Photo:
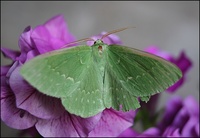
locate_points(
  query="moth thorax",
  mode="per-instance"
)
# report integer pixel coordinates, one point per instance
(100, 49)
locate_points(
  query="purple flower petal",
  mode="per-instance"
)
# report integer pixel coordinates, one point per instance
(41, 38)
(176, 133)
(31, 54)
(184, 64)
(56, 43)
(31, 100)
(153, 131)
(52, 35)
(181, 118)
(172, 131)
(197, 129)
(10, 114)
(181, 115)
(150, 132)
(4, 70)
(130, 132)
(191, 106)
(25, 42)
(67, 125)
(111, 39)
(156, 51)
(12, 68)
(112, 123)
(189, 128)
(10, 53)
(172, 107)
(57, 28)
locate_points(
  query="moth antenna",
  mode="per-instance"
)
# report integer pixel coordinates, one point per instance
(115, 31)
(81, 40)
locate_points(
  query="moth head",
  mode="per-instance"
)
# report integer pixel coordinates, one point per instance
(98, 42)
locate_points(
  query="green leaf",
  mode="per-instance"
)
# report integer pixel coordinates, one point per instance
(90, 79)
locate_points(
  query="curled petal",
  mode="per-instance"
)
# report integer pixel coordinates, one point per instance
(172, 107)
(25, 42)
(10, 53)
(189, 128)
(12, 68)
(181, 118)
(172, 131)
(184, 63)
(68, 125)
(31, 54)
(29, 99)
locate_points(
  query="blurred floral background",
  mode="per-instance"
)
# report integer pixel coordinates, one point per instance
(172, 27)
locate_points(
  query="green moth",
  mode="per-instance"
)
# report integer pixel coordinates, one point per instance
(89, 79)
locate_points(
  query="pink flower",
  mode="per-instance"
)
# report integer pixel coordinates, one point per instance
(183, 62)
(23, 107)
(180, 119)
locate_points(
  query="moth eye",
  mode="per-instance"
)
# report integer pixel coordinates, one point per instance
(95, 42)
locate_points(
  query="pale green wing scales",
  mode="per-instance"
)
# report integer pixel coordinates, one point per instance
(90, 79)
(136, 74)
(87, 99)
(115, 94)
(69, 74)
